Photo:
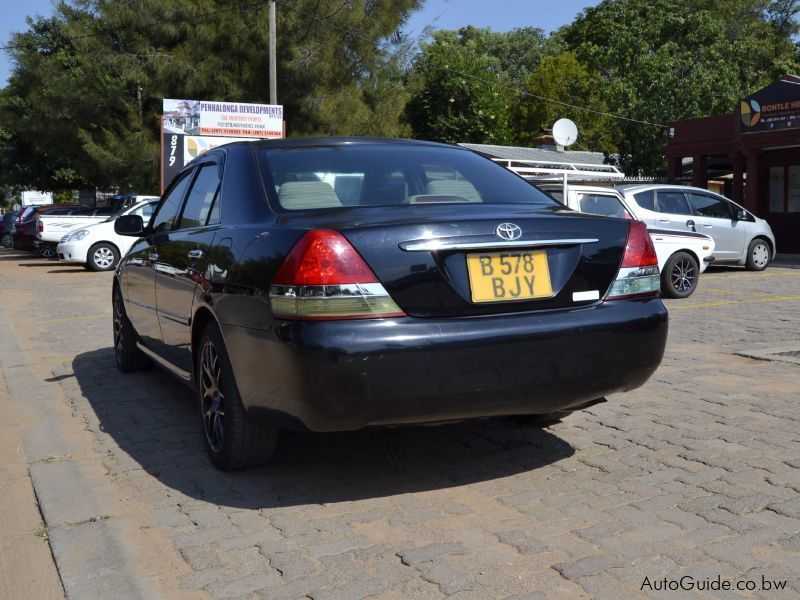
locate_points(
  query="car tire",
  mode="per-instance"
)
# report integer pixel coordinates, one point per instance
(232, 440)
(47, 251)
(679, 277)
(758, 255)
(7, 240)
(128, 356)
(102, 257)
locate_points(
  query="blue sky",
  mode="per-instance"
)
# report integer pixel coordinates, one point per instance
(500, 15)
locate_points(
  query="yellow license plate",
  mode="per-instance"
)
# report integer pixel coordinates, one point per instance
(507, 276)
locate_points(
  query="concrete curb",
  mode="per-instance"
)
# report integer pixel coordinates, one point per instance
(87, 544)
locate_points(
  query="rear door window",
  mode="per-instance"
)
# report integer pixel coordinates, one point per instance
(201, 197)
(709, 206)
(673, 203)
(646, 200)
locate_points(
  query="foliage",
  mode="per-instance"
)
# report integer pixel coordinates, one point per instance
(661, 60)
(564, 77)
(82, 106)
(460, 93)
(83, 103)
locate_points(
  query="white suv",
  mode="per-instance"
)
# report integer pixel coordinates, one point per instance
(740, 237)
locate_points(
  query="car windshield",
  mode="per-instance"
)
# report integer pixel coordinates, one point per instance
(314, 177)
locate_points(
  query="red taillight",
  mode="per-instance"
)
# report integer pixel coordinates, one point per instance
(40, 226)
(638, 274)
(324, 278)
(639, 251)
(323, 257)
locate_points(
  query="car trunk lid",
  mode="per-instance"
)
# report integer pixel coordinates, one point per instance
(451, 261)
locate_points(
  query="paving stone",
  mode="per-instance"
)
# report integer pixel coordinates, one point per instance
(695, 472)
(524, 543)
(291, 565)
(589, 565)
(432, 551)
(448, 579)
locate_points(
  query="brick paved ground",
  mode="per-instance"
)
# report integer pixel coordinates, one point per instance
(697, 473)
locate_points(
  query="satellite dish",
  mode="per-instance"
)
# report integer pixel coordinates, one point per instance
(565, 132)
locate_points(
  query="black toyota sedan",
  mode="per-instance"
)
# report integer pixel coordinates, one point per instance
(340, 283)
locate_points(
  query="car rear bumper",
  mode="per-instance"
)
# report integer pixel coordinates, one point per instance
(343, 375)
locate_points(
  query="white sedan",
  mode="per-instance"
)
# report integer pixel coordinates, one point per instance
(97, 246)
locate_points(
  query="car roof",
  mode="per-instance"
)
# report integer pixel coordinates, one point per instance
(602, 189)
(305, 142)
(659, 186)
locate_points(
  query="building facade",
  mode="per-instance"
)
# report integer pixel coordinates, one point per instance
(756, 150)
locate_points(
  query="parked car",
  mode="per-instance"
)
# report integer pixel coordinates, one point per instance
(97, 245)
(51, 228)
(25, 227)
(740, 237)
(682, 256)
(434, 285)
(339, 283)
(7, 228)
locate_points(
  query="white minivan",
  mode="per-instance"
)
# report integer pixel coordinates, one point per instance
(740, 237)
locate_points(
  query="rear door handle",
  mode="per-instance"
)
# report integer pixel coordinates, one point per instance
(709, 225)
(196, 253)
(663, 220)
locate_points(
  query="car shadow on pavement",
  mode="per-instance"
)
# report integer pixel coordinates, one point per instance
(151, 418)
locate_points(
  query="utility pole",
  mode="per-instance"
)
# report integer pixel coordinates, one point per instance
(273, 62)
(139, 100)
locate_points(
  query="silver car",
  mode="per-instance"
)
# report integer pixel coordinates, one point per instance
(741, 238)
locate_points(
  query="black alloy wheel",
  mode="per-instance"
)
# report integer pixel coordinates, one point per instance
(6, 240)
(211, 397)
(232, 440)
(127, 354)
(679, 278)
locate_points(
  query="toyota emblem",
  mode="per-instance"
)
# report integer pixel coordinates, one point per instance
(508, 231)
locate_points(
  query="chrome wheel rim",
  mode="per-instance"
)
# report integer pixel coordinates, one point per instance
(103, 257)
(683, 276)
(212, 399)
(760, 255)
(46, 252)
(119, 332)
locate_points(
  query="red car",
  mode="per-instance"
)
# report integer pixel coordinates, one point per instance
(25, 227)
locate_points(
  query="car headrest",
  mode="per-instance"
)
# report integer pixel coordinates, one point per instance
(299, 195)
(452, 187)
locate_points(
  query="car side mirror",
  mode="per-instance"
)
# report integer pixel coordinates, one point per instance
(132, 225)
(741, 215)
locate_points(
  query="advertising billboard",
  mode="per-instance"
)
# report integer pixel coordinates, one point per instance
(777, 106)
(191, 127)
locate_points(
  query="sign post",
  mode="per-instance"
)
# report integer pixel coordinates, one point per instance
(191, 127)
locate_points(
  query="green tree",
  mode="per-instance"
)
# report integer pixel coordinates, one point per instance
(562, 76)
(83, 103)
(664, 60)
(460, 93)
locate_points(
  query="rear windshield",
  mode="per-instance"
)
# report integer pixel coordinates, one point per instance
(311, 178)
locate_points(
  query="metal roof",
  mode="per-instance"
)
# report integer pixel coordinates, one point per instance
(537, 154)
